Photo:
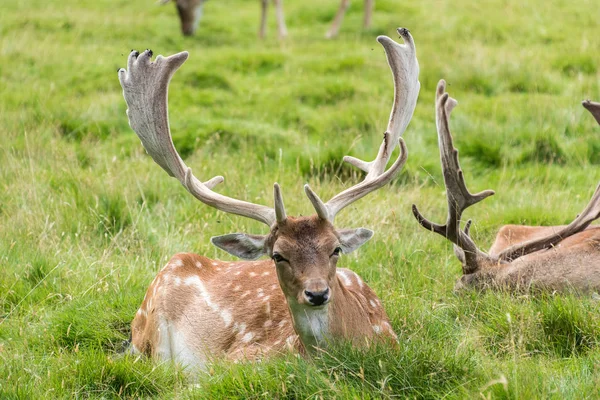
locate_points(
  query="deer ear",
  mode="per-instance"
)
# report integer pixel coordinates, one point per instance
(247, 247)
(352, 239)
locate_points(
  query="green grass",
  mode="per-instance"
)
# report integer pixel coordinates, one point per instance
(87, 219)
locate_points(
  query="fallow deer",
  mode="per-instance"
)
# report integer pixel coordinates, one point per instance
(549, 258)
(190, 12)
(197, 308)
(339, 17)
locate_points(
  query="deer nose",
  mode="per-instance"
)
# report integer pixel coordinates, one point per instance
(317, 298)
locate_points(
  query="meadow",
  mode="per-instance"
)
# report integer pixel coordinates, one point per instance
(87, 219)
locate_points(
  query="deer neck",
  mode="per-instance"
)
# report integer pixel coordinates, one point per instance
(316, 326)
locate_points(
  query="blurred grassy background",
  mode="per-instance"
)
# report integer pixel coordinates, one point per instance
(87, 219)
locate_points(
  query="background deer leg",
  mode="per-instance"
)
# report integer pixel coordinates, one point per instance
(280, 18)
(264, 5)
(337, 21)
(368, 13)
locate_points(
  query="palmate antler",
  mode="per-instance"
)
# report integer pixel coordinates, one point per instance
(460, 199)
(145, 87)
(402, 59)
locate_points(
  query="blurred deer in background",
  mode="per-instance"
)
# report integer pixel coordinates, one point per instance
(551, 258)
(190, 12)
(339, 17)
(197, 308)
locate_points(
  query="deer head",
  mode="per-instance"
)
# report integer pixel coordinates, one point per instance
(305, 249)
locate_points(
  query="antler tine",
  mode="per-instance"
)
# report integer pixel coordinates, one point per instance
(145, 88)
(593, 108)
(590, 213)
(402, 59)
(458, 196)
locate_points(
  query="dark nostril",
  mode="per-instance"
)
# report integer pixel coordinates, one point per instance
(317, 298)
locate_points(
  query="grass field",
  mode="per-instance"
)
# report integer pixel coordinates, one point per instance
(87, 219)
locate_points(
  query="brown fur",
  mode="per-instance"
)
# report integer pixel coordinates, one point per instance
(241, 312)
(573, 264)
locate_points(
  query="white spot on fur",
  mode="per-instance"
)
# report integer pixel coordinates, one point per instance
(373, 304)
(268, 323)
(344, 277)
(266, 298)
(218, 268)
(195, 281)
(177, 263)
(238, 272)
(253, 274)
(360, 281)
(227, 318)
(237, 288)
(246, 293)
(277, 343)
(377, 329)
(274, 286)
(266, 273)
(283, 322)
(241, 328)
(214, 264)
(247, 337)
(199, 264)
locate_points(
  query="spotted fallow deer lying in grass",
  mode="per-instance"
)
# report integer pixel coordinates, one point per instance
(550, 258)
(197, 308)
(190, 12)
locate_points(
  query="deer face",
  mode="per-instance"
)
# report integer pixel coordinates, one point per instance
(305, 251)
(190, 12)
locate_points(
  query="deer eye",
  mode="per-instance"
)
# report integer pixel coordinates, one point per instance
(278, 257)
(336, 252)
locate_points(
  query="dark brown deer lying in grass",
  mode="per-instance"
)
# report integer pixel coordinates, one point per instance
(551, 258)
(190, 12)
